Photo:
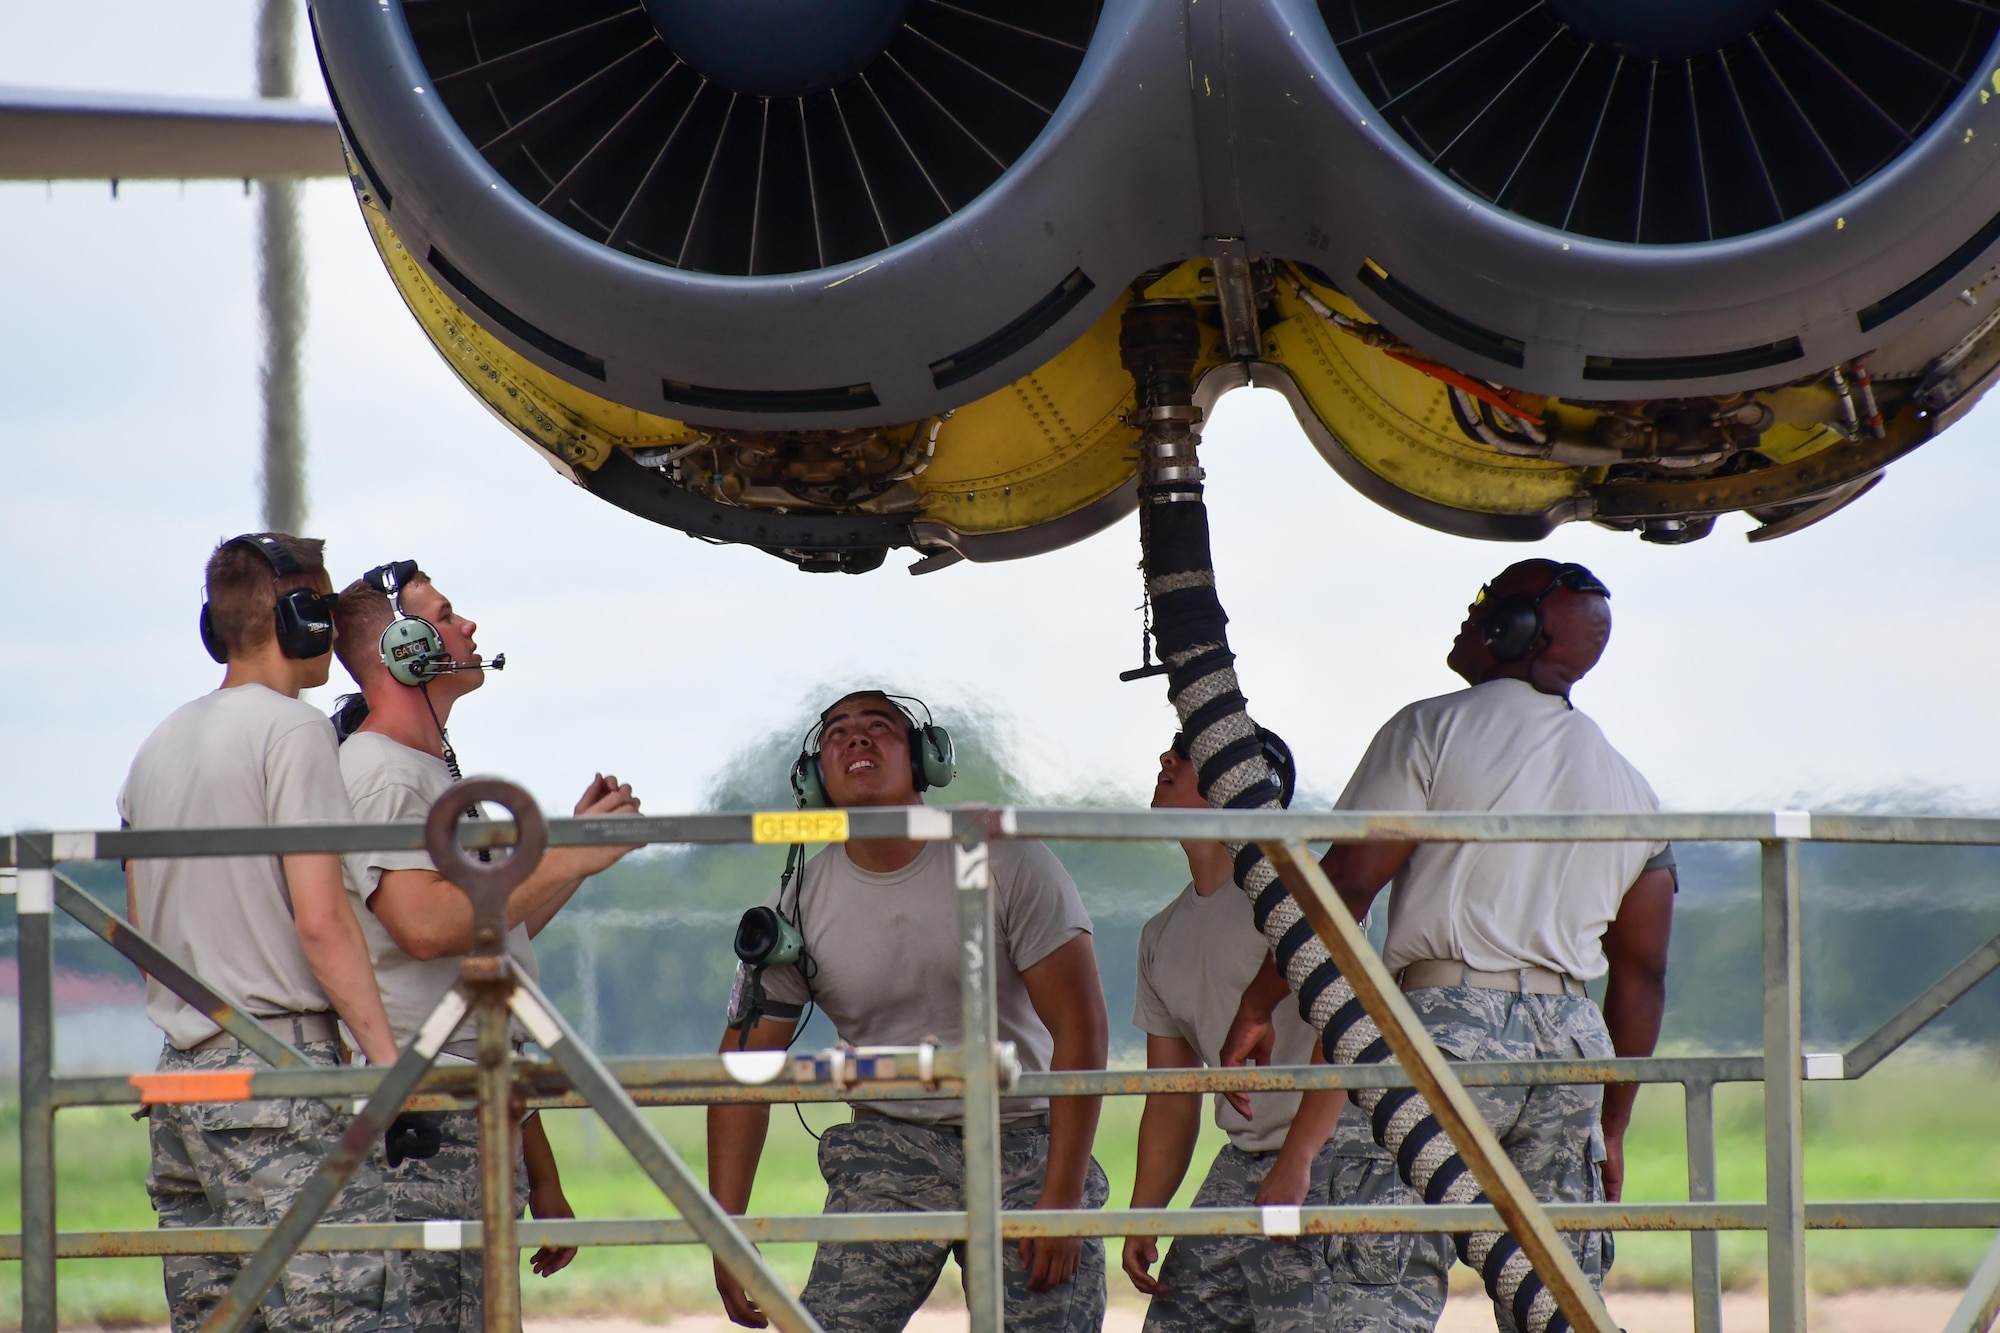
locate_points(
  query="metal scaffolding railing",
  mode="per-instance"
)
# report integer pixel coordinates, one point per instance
(980, 1071)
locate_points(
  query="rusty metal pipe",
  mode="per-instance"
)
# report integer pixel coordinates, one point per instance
(1696, 1217)
(491, 987)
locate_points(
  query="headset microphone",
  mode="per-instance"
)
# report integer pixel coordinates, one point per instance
(499, 663)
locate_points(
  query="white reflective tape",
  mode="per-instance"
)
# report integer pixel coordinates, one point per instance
(1791, 824)
(973, 867)
(9, 881)
(1010, 823)
(360, 1105)
(35, 892)
(1283, 1219)
(754, 1066)
(74, 846)
(1826, 1065)
(437, 1029)
(548, 1034)
(445, 1235)
(928, 825)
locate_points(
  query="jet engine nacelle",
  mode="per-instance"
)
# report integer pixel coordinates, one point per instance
(831, 279)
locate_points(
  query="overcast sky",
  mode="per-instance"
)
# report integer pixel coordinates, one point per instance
(1854, 656)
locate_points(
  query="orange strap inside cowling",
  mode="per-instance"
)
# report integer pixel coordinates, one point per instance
(217, 1085)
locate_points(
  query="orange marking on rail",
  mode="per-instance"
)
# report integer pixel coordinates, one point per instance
(217, 1085)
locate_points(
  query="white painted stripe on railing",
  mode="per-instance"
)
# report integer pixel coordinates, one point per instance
(928, 825)
(1282, 1219)
(73, 846)
(972, 867)
(444, 1235)
(1826, 1065)
(35, 892)
(437, 1029)
(1010, 822)
(548, 1034)
(754, 1067)
(1791, 824)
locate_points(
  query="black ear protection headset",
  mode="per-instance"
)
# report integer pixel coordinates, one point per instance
(932, 760)
(305, 615)
(1513, 625)
(1276, 753)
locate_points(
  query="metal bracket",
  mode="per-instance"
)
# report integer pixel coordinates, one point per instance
(1237, 292)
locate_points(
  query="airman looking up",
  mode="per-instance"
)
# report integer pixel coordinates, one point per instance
(879, 921)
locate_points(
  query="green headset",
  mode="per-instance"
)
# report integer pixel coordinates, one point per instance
(932, 760)
(411, 647)
(414, 653)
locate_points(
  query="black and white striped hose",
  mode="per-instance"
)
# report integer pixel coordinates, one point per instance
(1159, 342)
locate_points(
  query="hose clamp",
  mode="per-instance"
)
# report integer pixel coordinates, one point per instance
(1191, 472)
(1174, 412)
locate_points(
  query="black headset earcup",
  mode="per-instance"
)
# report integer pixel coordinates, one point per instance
(1512, 627)
(209, 638)
(305, 627)
(1284, 768)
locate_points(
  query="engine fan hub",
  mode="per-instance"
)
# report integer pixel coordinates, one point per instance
(1663, 31)
(777, 48)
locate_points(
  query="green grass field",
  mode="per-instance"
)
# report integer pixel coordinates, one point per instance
(1917, 1127)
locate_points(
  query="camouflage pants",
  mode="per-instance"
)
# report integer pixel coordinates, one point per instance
(1255, 1284)
(891, 1166)
(241, 1164)
(444, 1285)
(1552, 1134)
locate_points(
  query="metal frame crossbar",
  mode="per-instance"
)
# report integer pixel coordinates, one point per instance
(980, 1071)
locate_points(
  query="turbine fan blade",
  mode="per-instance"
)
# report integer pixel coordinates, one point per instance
(1655, 146)
(585, 108)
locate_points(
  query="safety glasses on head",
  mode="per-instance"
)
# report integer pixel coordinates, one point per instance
(1569, 575)
(304, 615)
(1512, 625)
(933, 762)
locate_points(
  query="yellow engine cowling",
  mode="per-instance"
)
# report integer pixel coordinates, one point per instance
(1051, 457)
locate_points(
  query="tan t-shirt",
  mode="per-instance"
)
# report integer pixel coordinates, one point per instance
(241, 756)
(1195, 958)
(1504, 746)
(388, 781)
(887, 950)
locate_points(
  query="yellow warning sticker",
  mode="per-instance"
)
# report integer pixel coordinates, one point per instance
(799, 826)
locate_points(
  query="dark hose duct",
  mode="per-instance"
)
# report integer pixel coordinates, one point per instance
(1158, 342)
